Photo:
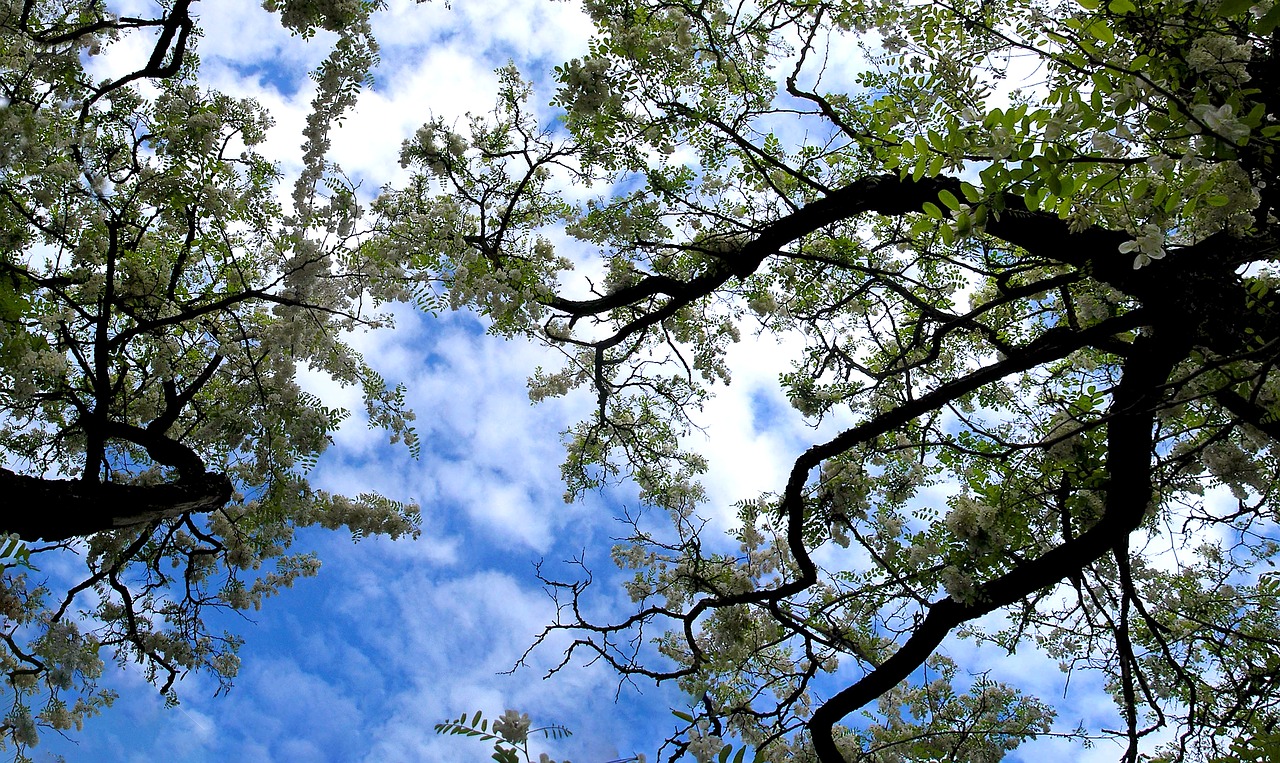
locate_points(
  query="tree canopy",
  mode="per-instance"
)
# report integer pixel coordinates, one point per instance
(156, 299)
(1027, 247)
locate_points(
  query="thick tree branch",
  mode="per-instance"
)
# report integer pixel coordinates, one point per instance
(1128, 493)
(55, 510)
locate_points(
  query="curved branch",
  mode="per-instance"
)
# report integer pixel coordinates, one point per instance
(1040, 233)
(1130, 442)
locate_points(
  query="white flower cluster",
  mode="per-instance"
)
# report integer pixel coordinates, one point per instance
(543, 385)
(975, 523)
(1237, 469)
(763, 304)
(1223, 59)
(434, 146)
(668, 36)
(66, 654)
(1001, 142)
(287, 570)
(1106, 143)
(847, 487)
(923, 551)
(513, 726)
(366, 514)
(1237, 198)
(902, 485)
(23, 726)
(620, 274)
(730, 633)
(332, 15)
(965, 223)
(959, 585)
(888, 523)
(726, 243)
(512, 298)
(1063, 427)
(1149, 245)
(32, 370)
(1063, 121)
(226, 664)
(586, 85)
(704, 746)
(635, 556)
(1221, 121)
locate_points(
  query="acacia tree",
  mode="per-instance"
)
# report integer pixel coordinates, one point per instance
(1027, 247)
(156, 299)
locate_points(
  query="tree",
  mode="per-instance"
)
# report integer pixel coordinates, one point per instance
(1028, 247)
(156, 299)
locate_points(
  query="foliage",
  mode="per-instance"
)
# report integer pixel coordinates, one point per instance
(1261, 743)
(1027, 248)
(510, 735)
(156, 302)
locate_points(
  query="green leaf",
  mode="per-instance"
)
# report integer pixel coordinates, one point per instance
(922, 162)
(949, 199)
(1234, 7)
(1100, 31)
(556, 731)
(682, 716)
(948, 234)
(980, 214)
(1268, 23)
(1121, 6)
(932, 210)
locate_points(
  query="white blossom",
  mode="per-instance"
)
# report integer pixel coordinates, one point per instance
(1221, 121)
(1001, 142)
(1223, 58)
(513, 726)
(586, 85)
(1106, 143)
(958, 584)
(1149, 244)
(703, 746)
(763, 304)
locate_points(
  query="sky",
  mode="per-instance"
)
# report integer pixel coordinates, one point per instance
(391, 638)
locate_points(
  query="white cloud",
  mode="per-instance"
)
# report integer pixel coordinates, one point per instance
(241, 32)
(529, 30)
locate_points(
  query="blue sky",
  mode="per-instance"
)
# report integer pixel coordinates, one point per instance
(392, 637)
